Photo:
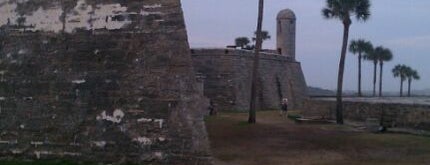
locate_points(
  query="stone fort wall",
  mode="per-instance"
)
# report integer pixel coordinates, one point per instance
(397, 114)
(227, 78)
(108, 81)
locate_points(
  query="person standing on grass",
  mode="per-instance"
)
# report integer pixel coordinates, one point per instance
(212, 110)
(284, 107)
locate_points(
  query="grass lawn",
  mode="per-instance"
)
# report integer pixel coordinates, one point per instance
(3, 162)
(53, 162)
(278, 141)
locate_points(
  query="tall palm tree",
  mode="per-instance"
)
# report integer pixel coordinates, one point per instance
(373, 57)
(360, 47)
(384, 55)
(259, 42)
(2, 34)
(242, 42)
(401, 72)
(411, 74)
(343, 10)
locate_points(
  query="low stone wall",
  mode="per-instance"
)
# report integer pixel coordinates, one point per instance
(227, 78)
(401, 114)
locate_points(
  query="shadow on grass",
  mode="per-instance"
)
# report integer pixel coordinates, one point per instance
(276, 140)
(46, 162)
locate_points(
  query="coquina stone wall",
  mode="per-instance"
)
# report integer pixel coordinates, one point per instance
(399, 114)
(107, 81)
(227, 79)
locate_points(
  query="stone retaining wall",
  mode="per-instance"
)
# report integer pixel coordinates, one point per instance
(402, 115)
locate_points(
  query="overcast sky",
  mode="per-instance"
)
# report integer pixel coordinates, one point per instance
(401, 25)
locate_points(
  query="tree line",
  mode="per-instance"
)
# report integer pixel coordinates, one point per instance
(343, 10)
(405, 73)
(379, 55)
(245, 42)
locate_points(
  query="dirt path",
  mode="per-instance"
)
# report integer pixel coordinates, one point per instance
(278, 141)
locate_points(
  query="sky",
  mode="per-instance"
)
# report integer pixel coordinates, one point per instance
(400, 25)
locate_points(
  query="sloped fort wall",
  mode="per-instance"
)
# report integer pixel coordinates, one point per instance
(226, 75)
(108, 81)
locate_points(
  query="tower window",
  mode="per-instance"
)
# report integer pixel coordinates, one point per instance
(280, 26)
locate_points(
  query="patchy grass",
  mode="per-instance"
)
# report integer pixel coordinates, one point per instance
(275, 140)
(44, 162)
(16, 162)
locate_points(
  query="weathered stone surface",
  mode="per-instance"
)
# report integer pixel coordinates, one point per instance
(227, 79)
(108, 81)
(400, 114)
(286, 33)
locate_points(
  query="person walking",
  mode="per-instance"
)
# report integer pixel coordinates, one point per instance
(284, 107)
(212, 109)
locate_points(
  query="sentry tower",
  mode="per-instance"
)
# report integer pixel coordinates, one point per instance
(286, 33)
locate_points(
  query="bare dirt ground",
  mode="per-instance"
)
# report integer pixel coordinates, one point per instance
(278, 141)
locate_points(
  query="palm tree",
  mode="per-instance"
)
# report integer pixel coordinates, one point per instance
(400, 71)
(343, 10)
(411, 74)
(259, 42)
(359, 47)
(264, 35)
(371, 56)
(383, 54)
(21, 21)
(2, 34)
(242, 42)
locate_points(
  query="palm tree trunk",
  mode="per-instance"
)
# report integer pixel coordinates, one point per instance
(375, 64)
(401, 87)
(409, 87)
(339, 105)
(253, 106)
(63, 19)
(359, 75)
(381, 65)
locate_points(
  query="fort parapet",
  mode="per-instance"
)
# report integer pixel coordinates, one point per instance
(227, 78)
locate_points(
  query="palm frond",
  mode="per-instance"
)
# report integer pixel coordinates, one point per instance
(362, 10)
(360, 46)
(343, 9)
(327, 13)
